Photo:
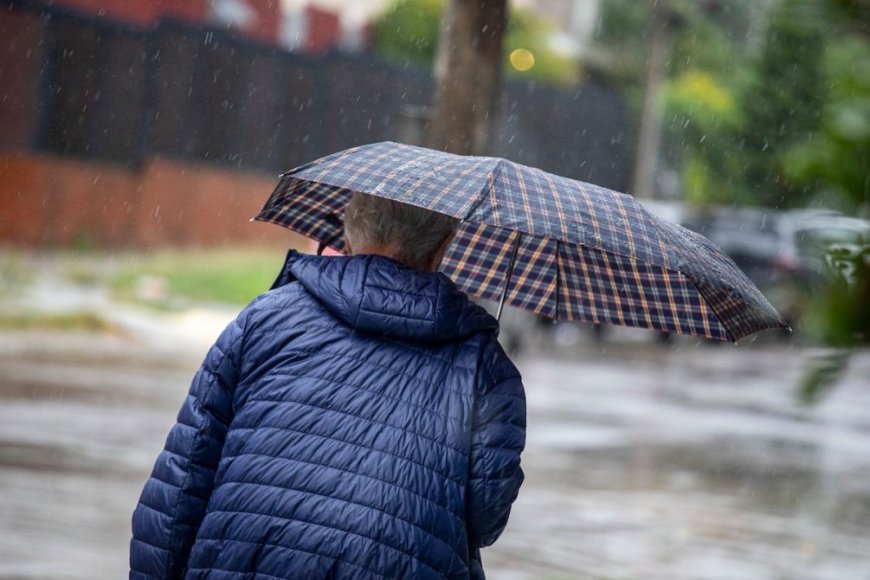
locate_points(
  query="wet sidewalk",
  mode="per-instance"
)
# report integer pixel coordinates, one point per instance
(642, 461)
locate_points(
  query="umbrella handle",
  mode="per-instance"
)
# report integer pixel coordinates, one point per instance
(510, 271)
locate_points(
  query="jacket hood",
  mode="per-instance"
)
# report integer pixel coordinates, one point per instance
(381, 296)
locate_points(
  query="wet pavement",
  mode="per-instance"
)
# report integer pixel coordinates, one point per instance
(643, 461)
(691, 463)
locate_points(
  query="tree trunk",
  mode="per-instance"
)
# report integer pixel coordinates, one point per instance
(467, 75)
(650, 134)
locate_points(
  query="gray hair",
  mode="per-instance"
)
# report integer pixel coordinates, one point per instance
(413, 232)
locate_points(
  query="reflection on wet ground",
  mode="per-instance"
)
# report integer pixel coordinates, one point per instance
(642, 462)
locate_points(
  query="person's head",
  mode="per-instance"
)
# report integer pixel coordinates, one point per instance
(414, 236)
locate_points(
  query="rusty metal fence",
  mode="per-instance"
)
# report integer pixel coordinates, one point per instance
(111, 92)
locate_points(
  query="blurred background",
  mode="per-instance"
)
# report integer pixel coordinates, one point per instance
(138, 138)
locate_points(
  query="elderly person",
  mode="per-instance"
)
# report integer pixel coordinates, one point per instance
(359, 420)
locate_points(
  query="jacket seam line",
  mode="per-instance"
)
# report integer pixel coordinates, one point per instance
(384, 481)
(328, 438)
(378, 393)
(199, 430)
(362, 418)
(174, 515)
(146, 574)
(403, 292)
(409, 345)
(362, 293)
(283, 547)
(429, 356)
(393, 315)
(141, 541)
(170, 484)
(237, 573)
(162, 513)
(428, 533)
(394, 370)
(349, 532)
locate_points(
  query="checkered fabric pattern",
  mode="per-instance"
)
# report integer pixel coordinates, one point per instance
(584, 252)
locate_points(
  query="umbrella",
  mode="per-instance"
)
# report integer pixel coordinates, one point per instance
(558, 247)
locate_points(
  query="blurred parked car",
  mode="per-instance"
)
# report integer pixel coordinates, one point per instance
(787, 254)
(830, 244)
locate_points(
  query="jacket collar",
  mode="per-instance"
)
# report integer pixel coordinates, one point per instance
(381, 296)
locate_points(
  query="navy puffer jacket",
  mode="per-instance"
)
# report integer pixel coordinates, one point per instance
(358, 421)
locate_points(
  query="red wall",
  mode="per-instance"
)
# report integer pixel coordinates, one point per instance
(323, 30)
(140, 12)
(55, 201)
(146, 12)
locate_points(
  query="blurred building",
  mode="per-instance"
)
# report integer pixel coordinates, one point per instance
(312, 30)
(316, 26)
(575, 20)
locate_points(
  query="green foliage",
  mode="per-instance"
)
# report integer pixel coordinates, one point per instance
(622, 35)
(407, 33)
(841, 319)
(703, 105)
(705, 118)
(836, 159)
(623, 23)
(838, 155)
(822, 375)
(744, 88)
(783, 105)
(527, 30)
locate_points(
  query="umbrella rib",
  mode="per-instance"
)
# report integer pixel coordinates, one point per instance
(510, 270)
(711, 305)
(558, 279)
(493, 175)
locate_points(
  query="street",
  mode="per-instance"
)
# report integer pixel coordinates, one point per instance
(642, 461)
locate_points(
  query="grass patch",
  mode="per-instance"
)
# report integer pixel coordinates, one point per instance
(15, 276)
(232, 276)
(85, 321)
(83, 272)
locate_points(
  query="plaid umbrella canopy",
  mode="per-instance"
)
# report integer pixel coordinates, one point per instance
(558, 247)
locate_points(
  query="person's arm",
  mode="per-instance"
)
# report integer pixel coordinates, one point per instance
(498, 438)
(174, 500)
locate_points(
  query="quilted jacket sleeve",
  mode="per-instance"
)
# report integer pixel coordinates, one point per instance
(498, 438)
(174, 500)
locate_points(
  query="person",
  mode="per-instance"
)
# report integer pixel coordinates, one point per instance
(359, 420)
